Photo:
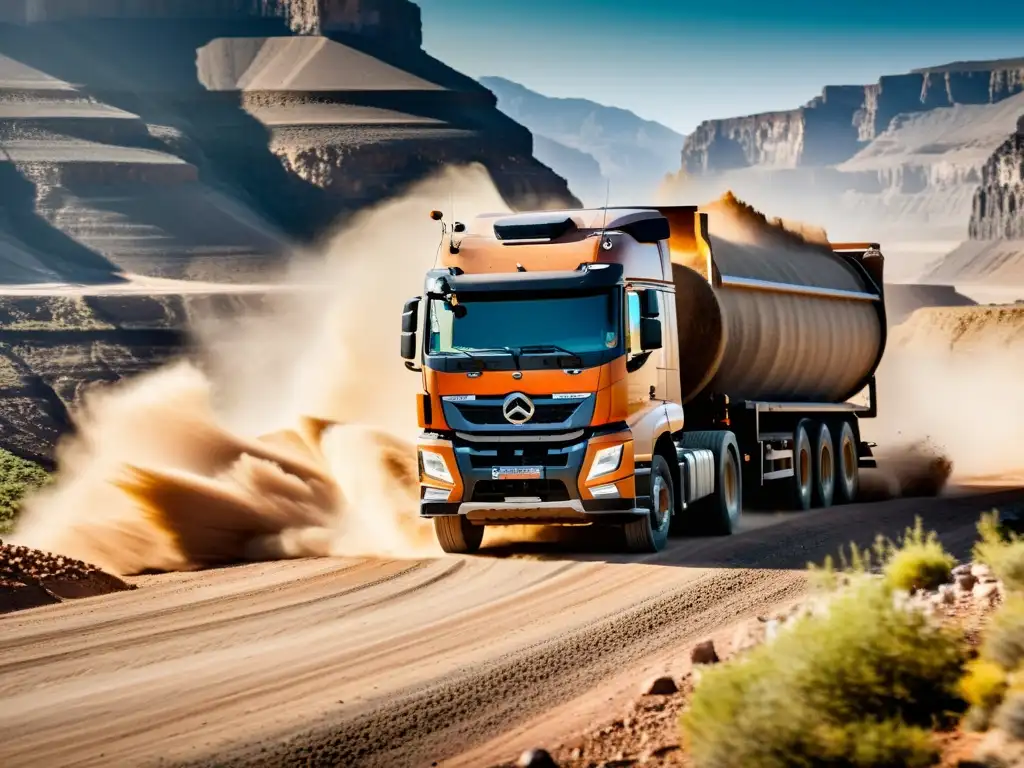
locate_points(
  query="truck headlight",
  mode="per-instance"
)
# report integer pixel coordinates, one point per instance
(605, 460)
(434, 466)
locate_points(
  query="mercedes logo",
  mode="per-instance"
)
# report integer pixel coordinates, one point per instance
(517, 408)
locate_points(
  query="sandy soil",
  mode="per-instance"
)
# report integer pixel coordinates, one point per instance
(397, 662)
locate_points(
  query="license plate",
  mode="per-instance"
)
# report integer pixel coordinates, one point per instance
(517, 473)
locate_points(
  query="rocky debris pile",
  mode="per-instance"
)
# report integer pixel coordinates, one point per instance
(973, 586)
(31, 577)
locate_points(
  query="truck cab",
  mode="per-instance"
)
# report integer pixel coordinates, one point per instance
(547, 346)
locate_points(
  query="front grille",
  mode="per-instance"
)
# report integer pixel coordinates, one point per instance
(550, 413)
(492, 491)
(478, 461)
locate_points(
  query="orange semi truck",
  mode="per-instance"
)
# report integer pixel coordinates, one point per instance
(625, 367)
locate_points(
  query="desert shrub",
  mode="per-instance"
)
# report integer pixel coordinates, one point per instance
(871, 744)
(855, 686)
(1010, 716)
(1002, 550)
(17, 478)
(918, 561)
(983, 687)
(1004, 640)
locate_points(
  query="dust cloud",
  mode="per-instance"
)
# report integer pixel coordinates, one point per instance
(292, 435)
(944, 395)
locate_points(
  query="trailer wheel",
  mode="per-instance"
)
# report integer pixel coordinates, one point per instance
(824, 467)
(847, 464)
(458, 536)
(650, 532)
(719, 513)
(800, 484)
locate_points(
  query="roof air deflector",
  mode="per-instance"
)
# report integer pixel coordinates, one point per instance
(534, 227)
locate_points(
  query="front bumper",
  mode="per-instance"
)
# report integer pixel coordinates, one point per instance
(560, 495)
(572, 512)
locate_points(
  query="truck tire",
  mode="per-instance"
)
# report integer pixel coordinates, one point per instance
(650, 532)
(719, 513)
(847, 463)
(799, 493)
(458, 536)
(824, 480)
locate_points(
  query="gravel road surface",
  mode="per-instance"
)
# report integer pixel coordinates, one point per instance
(385, 662)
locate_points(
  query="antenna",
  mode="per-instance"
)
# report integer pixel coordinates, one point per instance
(438, 216)
(451, 207)
(604, 218)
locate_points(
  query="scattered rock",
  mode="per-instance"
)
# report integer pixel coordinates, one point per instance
(536, 758)
(946, 594)
(965, 582)
(986, 590)
(981, 572)
(704, 653)
(662, 685)
(963, 569)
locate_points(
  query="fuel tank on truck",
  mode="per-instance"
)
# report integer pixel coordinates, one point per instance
(772, 312)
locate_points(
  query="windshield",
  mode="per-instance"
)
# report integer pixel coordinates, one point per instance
(576, 324)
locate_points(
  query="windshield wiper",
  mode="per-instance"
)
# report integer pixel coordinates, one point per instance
(550, 348)
(476, 350)
(475, 354)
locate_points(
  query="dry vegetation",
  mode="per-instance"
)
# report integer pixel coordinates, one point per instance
(860, 683)
(899, 657)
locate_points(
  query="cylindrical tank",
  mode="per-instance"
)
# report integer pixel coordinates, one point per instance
(768, 314)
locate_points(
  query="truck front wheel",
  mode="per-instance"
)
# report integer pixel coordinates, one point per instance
(458, 536)
(650, 532)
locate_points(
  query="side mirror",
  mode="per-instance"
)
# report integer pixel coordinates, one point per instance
(648, 303)
(650, 333)
(410, 324)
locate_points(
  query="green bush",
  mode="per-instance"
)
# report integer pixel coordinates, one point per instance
(1002, 551)
(918, 562)
(17, 478)
(858, 686)
(983, 687)
(1004, 640)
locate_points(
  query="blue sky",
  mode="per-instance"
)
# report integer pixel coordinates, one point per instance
(680, 63)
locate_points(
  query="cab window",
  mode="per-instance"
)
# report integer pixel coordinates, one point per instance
(633, 323)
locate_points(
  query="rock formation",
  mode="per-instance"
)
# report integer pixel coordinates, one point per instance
(898, 161)
(999, 202)
(201, 140)
(994, 253)
(834, 126)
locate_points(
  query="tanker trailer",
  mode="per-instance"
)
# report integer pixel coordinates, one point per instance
(780, 334)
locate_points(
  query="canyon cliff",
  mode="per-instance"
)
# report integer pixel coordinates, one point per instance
(899, 160)
(203, 140)
(998, 211)
(844, 119)
(994, 252)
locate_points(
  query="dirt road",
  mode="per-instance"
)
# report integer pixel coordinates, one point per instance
(362, 662)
